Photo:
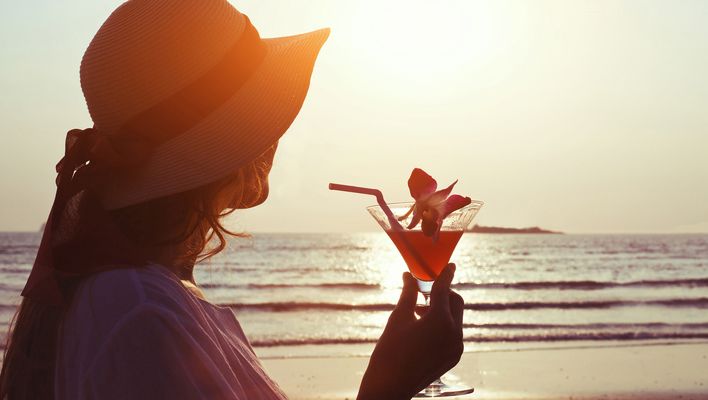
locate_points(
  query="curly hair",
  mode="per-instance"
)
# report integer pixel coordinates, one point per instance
(189, 220)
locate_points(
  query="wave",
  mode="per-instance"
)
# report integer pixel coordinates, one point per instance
(529, 285)
(540, 285)
(15, 270)
(570, 337)
(700, 302)
(567, 337)
(598, 336)
(594, 326)
(305, 342)
(342, 247)
(18, 249)
(220, 286)
(302, 306)
(584, 285)
(6, 287)
(342, 285)
(350, 285)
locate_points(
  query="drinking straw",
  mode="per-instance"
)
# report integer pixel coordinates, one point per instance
(395, 226)
(379, 199)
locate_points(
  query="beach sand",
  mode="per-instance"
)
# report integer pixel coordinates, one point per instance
(583, 371)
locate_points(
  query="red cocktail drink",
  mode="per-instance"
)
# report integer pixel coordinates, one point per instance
(424, 255)
(435, 254)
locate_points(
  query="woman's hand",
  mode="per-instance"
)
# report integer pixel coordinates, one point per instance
(412, 352)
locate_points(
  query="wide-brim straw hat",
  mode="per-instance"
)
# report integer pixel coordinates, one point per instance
(148, 50)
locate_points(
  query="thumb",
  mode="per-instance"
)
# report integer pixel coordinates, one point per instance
(440, 295)
(409, 294)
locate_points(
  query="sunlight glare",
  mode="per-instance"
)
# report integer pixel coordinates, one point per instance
(421, 41)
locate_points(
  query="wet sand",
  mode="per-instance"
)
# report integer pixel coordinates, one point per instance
(617, 371)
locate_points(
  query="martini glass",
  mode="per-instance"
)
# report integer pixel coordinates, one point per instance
(426, 257)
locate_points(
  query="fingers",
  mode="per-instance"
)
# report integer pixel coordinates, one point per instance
(457, 308)
(421, 310)
(439, 295)
(409, 294)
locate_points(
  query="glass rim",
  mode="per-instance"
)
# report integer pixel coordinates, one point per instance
(475, 204)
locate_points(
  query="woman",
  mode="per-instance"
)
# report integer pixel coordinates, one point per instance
(188, 104)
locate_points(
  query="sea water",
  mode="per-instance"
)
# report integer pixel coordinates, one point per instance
(320, 290)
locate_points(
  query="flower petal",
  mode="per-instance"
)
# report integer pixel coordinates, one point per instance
(454, 203)
(410, 210)
(421, 184)
(440, 196)
(416, 218)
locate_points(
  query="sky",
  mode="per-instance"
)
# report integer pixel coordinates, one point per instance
(579, 116)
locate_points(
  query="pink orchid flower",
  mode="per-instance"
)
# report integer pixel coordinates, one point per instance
(431, 206)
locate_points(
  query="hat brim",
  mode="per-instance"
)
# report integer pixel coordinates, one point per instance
(234, 134)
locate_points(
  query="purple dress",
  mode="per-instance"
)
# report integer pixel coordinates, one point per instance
(138, 333)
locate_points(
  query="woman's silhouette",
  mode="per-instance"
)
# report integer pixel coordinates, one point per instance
(188, 104)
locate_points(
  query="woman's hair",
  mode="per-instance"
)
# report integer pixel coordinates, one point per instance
(189, 220)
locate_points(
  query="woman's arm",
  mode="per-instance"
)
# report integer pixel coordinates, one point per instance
(413, 352)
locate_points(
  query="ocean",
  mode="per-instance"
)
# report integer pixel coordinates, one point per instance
(317, 291)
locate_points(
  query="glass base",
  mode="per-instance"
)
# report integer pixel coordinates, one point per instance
(440, 389)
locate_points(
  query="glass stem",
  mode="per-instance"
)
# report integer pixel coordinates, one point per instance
(434, 389)
(426, 296)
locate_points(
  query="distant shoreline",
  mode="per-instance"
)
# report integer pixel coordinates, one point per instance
(496, 229)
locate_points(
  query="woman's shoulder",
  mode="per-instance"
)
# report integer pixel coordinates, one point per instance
(104, 299)
(131, 284)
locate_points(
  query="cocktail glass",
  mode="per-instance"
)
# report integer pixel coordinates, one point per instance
(426, 257)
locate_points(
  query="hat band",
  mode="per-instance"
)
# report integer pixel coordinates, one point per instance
(184, 109)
